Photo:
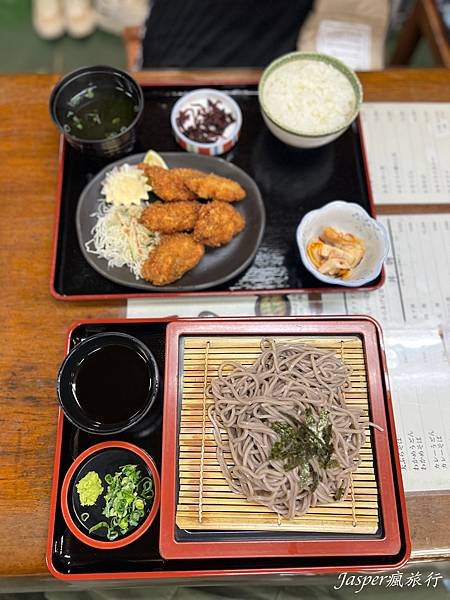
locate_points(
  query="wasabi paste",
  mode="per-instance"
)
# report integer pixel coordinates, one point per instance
(89, 488)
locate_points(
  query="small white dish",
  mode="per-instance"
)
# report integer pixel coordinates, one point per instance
(231, 133)
(347, 217)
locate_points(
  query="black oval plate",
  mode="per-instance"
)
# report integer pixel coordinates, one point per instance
(219, 264)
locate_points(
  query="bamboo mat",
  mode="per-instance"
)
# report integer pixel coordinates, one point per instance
(205, 501)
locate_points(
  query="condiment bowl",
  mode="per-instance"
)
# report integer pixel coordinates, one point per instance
(98, 79)
(296, 137)
(79, 385)
(347, 217)
(231, 133)
(105, 458)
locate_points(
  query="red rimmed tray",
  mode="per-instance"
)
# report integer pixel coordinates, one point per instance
(291, 181)
(175, 542)
(69, 560)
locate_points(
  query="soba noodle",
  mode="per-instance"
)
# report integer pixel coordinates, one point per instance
(289, 384)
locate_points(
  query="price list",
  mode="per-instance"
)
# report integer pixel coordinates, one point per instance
(419, 372)
(417, 288)
(408, 151)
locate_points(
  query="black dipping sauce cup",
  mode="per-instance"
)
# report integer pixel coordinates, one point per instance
(108, 383)
(100, 77)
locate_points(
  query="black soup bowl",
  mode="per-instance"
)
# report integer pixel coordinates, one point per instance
(97, 109)
(108, 383)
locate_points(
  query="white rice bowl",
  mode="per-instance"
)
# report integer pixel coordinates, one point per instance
(309, 99)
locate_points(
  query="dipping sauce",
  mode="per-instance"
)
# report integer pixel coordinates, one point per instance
(98, 113)
(112, 384)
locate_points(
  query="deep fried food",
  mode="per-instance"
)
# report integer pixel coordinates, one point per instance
(187, 174)
(166, 184)
(217, 223)
(175, 255)
(216, 187)
(170, 217)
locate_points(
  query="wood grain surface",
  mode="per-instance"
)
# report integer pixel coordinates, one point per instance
(34, 325)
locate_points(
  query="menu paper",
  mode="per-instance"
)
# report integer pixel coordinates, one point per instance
(417, 288)
(408, 151)
(419, 372)
(350, 42)
(201, 306)
(414, 309)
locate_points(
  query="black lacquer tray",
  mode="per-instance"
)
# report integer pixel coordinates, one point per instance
(292, 182)
(70, 559)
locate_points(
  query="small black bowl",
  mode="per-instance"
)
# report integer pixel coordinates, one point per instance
(98, 77)
(78, 399)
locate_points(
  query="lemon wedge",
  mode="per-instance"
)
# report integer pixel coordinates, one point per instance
(154, 159)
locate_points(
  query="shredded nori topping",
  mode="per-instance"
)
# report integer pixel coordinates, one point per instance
(298, 444)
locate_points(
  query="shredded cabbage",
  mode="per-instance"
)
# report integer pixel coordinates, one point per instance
(119, 238)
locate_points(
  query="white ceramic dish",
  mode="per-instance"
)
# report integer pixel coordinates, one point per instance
(348, 218)
(297, 138)
(231, 134)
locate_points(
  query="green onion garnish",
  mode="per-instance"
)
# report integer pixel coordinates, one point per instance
(127, 497)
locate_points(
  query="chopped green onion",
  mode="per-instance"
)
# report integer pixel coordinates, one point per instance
(99, 526)
(126, 500)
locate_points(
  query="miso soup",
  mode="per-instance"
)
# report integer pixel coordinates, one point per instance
(99, 113)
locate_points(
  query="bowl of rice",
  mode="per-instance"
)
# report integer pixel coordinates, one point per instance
(309, 99)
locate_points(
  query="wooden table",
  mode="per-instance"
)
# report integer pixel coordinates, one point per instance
(34, 325)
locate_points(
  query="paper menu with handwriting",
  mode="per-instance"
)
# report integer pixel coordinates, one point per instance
(408, 151)
(419, 372)
(417, 287)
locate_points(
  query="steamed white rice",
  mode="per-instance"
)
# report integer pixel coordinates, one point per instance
(309, 97)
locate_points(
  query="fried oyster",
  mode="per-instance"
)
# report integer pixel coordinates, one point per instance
(166, 184)
(175, 255)
(170, 217)
(216, 188)
(217, 224)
